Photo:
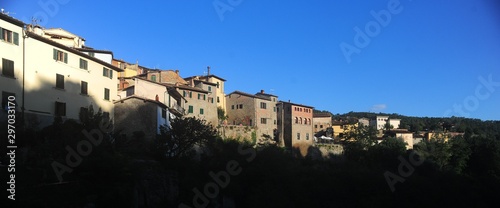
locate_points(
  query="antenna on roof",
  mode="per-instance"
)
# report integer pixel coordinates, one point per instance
(208, 70)
(4, 12)
(35, 21)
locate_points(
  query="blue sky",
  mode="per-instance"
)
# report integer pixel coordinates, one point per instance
(431, 58)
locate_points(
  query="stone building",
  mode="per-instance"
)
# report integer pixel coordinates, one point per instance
(295, 126)
(321, 121)
(257, 111)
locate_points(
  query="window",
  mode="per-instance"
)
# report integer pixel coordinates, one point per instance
(300, 120)
(298, 136)
(84, 88)
(60, 109)
(106, 94)
(316, 126)
(320, 126)
(184, 93)
(250, 121)
(296, 120)
(204, 97)
(274, 109)
(9, 36)
(7, 68)
(263, 105)
(232, 107)
(263, 121)
(211, 100)
(201, 111)
(274, 122)
(241, 106)
(209, 88)
(5, 99)
(305, 121)
(59, 81)
(60, 56)
(217, 84)
(190, 94)
(307, 136)
(190, 109)
(92, 54)
(83, 64)
(153, 78)
(218, 100)
(163, 113)
(199, 95)
(107, 72)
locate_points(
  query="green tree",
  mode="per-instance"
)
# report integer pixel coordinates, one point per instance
(221, 114)
(358, 140)
(460, 154)
(183, 136)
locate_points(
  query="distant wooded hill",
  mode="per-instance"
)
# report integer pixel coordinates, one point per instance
(469, 126)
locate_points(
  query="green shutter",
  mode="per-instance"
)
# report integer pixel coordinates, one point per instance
(55, 54)
(65, 57)
(111, 74)
(16, 38)
(1, 33)
(104, 72)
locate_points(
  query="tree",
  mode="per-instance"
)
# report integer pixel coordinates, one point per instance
(358, 140)
(221, 114)
(183, 136)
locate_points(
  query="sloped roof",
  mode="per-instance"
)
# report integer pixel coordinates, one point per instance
(72, 50)
(249, 95)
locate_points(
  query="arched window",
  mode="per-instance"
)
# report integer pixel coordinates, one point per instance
(296, 120)
(309, 121)
(300, 120)
(305, 121)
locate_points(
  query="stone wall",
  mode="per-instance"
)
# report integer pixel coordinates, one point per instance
(238, 132)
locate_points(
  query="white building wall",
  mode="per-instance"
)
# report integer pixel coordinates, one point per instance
(41, 70)
(394, 122)
(12, 52)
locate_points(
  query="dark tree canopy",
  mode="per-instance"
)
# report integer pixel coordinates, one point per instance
(183, 136)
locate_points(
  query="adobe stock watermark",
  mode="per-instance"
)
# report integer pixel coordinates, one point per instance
(220, 179)
(362, 38)
(223, 6)
(50, 8)
(483, 91)
(83, 148)
(405, 170)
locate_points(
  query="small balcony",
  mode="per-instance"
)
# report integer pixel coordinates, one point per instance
(180, 110)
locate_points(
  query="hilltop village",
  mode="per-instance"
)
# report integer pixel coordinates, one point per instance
(52, 73)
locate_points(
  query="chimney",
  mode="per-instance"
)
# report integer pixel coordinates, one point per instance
(208, 70)
(261, 91)
(177, 72)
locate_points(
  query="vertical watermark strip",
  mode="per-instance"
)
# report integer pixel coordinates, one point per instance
(11, 147)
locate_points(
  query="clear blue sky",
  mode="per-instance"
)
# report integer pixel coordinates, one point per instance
(427, 58)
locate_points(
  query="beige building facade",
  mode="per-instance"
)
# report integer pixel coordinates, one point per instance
(56, 80)
(295, 126)
(257, 111)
